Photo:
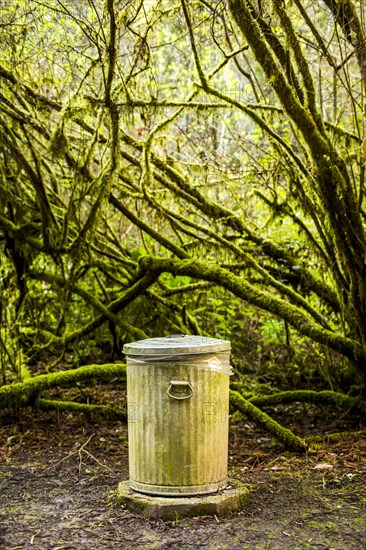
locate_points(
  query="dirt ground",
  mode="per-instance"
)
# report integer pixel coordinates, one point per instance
(59, 474)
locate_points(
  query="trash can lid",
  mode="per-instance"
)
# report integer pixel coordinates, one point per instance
(176, 344)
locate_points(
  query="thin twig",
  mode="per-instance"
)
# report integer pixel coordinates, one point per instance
(79, 452)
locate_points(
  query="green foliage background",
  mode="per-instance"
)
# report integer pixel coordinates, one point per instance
(184, 167)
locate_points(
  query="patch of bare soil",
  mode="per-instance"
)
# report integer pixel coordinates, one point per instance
(59, 474)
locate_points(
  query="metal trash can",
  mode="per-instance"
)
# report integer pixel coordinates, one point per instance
(178, 405)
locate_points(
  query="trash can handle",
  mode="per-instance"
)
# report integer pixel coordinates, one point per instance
(179, 383)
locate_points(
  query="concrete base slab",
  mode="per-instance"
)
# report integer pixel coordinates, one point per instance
(231, 499)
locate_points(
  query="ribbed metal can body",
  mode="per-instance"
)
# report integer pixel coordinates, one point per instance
(178, 406)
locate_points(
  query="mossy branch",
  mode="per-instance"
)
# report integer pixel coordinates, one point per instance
(332, 181)
(285, 436)
(260, 298)
(22, 394)
(300, 59)
(182, 187)
(108, 312)
(167, 243)
(346, 15)
(309, 396)
(285, 290)
(68, 406)
(23, 233)
(8, 138)
(199, 69)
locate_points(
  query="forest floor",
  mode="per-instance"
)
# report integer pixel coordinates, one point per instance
(59, 475)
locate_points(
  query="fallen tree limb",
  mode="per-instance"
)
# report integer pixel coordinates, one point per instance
(285, 436)
(22, 394)
(331, 437)
(28, 393)
(69, 406)
(314, 397)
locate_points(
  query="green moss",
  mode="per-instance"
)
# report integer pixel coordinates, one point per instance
(25, 393)
(289, 439)
(308, 396)
(99, 410)
(134, 505)
(244, 290)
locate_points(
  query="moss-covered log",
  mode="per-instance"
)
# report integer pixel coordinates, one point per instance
(27, 393)
(285, 436)
(308, 396)
(15, 396)
(100, 411)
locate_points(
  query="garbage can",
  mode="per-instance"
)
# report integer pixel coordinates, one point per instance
(178, 404)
